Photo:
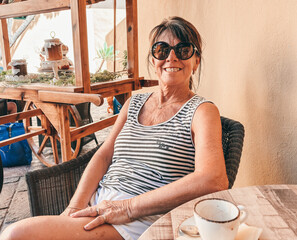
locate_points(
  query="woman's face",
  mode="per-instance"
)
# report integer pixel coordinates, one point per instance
(173, 71)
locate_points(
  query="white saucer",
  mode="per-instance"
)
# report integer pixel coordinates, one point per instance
(186, 222)
(244, 231)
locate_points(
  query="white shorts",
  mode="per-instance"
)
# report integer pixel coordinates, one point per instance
(129, 231)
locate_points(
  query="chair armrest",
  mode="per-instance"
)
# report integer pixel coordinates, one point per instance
(51, 189)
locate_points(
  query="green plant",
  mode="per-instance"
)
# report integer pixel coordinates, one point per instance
(124, 61)
(105, 76)
(106, 54)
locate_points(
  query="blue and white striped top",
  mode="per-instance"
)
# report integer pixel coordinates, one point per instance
(149, 157)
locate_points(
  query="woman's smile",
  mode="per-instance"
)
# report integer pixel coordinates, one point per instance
(172, 69)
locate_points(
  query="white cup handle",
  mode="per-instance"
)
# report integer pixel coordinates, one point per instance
(243, 213)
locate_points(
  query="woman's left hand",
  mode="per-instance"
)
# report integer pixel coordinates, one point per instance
(69, 210)
(112, 212)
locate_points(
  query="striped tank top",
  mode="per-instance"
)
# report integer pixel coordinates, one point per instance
(149, 157)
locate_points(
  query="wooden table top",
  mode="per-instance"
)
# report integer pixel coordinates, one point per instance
(271, 207)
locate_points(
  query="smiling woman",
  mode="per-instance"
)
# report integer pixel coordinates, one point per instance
(164, 150)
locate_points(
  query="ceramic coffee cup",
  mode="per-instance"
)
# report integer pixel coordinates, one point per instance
(218, 218)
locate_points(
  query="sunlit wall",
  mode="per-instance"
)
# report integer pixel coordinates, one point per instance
(249, 71)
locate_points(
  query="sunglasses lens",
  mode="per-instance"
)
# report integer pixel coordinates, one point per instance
(184, 50)
(160, 50)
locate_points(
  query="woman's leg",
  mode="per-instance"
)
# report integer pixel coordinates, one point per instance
(57, 228)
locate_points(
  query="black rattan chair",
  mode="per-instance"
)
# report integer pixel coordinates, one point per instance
(51, 189)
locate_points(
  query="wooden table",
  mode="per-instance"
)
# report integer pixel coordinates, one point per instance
(271, 207)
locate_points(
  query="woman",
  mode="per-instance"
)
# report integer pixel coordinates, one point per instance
(164, 150)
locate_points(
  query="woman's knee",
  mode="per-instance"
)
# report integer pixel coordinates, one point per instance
(12, 232)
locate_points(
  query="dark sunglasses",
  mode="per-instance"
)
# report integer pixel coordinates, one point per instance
(183, 50)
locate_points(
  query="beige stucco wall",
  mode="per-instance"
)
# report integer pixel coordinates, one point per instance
(249, 72)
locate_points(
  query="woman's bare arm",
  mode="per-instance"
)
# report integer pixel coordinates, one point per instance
(99, 164)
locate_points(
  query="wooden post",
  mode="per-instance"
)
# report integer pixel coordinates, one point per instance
(4, 41)
(132, 41)
(64, 130)
(80, 44)
(114, 33)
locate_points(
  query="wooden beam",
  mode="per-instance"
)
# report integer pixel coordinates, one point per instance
(110, 84)
(114, 33)
(80, 44)
(90, 128)
(4, 41)
(50, 112)
(132, 41)
(19, 116)
(21, 137)
(109, 90)
(31, 7)
(18, 94)
(69, 98)
(64, 131)
(27, 93)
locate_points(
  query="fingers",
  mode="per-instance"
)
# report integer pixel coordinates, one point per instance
(87, 212)
(68, 211)
(95, 223)
(112, 212)
(91, 212)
